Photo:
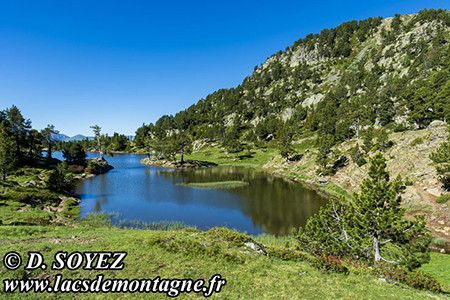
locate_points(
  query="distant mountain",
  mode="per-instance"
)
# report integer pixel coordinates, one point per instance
(78, 137)
(66, 138)
(60, 137)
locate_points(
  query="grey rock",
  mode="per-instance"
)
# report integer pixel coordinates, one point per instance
(435, 124)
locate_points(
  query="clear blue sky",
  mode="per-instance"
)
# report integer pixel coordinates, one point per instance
(119, 64)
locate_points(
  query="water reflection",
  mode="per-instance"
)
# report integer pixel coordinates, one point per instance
(268, 204)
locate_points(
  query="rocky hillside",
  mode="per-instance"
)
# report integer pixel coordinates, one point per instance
(408, 157)
(361, 73)
(338, 87)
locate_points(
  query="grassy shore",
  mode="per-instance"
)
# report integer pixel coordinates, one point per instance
(189, 253)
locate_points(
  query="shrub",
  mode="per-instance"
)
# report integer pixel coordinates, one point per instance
(443, 198)
(416, 141)
(284, 253)
(91, 167)
(329, 264)
(401, 127)
(408, 181)
(76, 169)
(418, 280)
(357, 156)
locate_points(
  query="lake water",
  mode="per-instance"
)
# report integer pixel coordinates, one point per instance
(268, 204)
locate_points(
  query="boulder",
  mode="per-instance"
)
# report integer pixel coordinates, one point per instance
(435, 124)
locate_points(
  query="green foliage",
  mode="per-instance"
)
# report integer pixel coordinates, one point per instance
(416, 141)
(162, 225)
(183, 144)
(441, 159)
(443, 198)
(8, 158)
(189, 247)
(383, 142)
(74, 153)
(357, 156)
(285, 137)
(368, 143)
(409, 182)
(372, 226)
(32, 195)
(401, 127)
(329, 264)
(60, 181)
(418, 280)
(284, 253)
(49, 141)
(323, 157)
(439, 241)
(91, 167)
(99, 220)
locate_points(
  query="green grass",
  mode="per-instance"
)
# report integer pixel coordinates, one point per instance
(23, 203)
(439, 241)
(216, 185)
(192, 254)
(257, 156)
(335, 190)
(439, 267)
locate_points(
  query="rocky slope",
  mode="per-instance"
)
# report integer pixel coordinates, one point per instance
(409, 157)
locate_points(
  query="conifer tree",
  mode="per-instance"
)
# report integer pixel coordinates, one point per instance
(379, 224)
(383, 140)
(323, 157)
(441, 159)
(49, 141)
(372, 226)
(8, 159)
(60, 181)
(183, 144)
(285, 137)
(101, 141)
(19, 126)
(367, 139)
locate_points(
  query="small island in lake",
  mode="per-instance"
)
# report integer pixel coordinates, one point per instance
(216, 185)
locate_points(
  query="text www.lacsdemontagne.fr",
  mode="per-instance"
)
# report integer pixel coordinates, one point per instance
(171, 287)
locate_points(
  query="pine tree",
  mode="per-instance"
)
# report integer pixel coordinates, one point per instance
(383, 142)
(323, 157)
(183, 144)
(8, 158)
(49, 141)
(367, 140)
(285, 137)
(60, 181)
(378, 221)
(372, 226)
(441, 159)
(19, 126)
(101, 141)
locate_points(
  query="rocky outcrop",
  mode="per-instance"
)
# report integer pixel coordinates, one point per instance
(188, 164)
(100, 166)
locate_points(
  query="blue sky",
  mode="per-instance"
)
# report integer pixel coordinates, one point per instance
(119, 64)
